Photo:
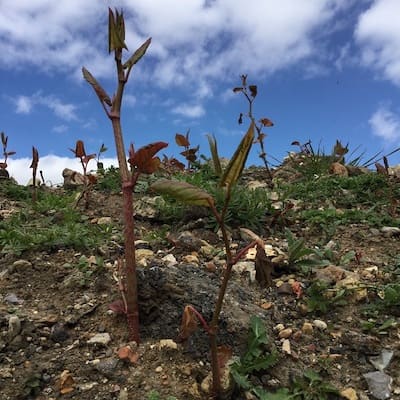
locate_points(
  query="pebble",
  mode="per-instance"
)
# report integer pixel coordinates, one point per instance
(13, 299)
(14, 326)
(20, 265)
(389, 231)
(330, 274)
(168, 343)
(170, 260)
(104, 221)
(100, 338)
(322, 325)
(191, 259)
(285, 333)
(286, 346)
(349, 394)
(307, 328)
(159, 369)
(279, 327)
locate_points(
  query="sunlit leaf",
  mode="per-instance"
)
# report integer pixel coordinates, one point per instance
(181, 140)
(267, 122)
(253, 90)
(101, 93)
(116, 31)
(143, 159)
(137, 55)
(214, 154)
(183, 191)
(238, 161)
(189, 323)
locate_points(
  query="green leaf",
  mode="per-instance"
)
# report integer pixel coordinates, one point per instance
(238, 161)
(281, 394)
(241, 380)
(183, 191)
(116, 31)
(214, 154)
(137, 55)
(101, 93)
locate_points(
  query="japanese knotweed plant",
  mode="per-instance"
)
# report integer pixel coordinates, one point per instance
(194, 195)
(141, 161)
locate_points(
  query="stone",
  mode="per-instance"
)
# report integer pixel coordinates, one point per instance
(100, 338)
(13, 299)
(389, 231)
(307, 328)
(191, 259)
(72, 179)
(167, 343)
(379, 384)
(21, 265)
(170, 260)
(285, 333)
(338, 169)
(148, 206)
(14, 327)
(349, 394)
(322, 325)
(330, 274)
(104, 221)
(286, 346)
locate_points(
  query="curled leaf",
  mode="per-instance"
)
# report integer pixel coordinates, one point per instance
(182, 140)
(237, 89)
(190, 154)
(116, 31)
(253, 90)
(137, 55)
(214, 154)
(4, 139)
(101, 93)
(35, 159)
(189, 324)
(183, 191)
(238, 161)
(79, 149)
(267, 122)
(143, 159)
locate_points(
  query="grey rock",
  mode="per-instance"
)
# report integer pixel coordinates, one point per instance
(14, 327)
(379, 384)
(100, 338)
(13, 299)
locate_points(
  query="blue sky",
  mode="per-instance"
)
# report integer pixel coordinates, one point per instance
(325, 70)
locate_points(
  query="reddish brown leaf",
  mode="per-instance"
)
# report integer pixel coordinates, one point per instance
(143, 159)
(182, 140)
(295, 143)
(3, 165)
(79, 149)
(253, 90)
(380, 169)
(189, 323)
(125, 353)
(237, 89)
(117, 306)
(240, 119)
(267, 122)
(190, 154)
(35, 158)
(86, 159)
(66, 382)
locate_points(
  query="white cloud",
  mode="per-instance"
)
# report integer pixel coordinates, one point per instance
(24, 105)
(193, 45)
(385, 124)
(60, 128)
(65, 111)
(190, 111)
(52, 167)
(378, 34)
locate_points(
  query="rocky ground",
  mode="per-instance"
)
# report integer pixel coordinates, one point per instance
(60, 340)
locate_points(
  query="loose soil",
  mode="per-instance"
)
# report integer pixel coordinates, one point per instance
(61, 307)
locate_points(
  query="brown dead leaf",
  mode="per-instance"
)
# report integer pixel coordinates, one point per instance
(66, 382)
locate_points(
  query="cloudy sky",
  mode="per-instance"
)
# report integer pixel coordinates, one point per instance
(325, 70)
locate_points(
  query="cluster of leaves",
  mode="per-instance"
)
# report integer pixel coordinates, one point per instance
(321, 297)
(51, 225)
(309, 386)
(257, 357)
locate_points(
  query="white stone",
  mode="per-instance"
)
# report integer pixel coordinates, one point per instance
(100, 338)
(320, 324)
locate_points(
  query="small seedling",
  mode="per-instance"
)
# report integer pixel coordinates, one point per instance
(190, 152)
(3, 165)
(100, 165)
(250, 93)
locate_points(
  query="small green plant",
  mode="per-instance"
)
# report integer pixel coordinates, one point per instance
(257, 357)
(322, 298)
(154, 395)
(109, 180)
(100, 165)
(311, 386)
(378, 328)
(299, 254)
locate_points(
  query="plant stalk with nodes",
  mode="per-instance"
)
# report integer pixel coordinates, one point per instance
(3, 165)
(250, 93)
(191, 194)
(142, 161)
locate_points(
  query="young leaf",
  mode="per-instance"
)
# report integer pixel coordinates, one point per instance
(4, 139)
(253, 90)
(103, 148)
(35, 159)
(79, 149)
(214, 154)
(190, 154)
(181, 140)
(183, 191)
(189, 324)
(137, 55)
(237, 89)
(268, 123)
(238, 161)
(116, 31)
(143, 159)
(101, 93)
